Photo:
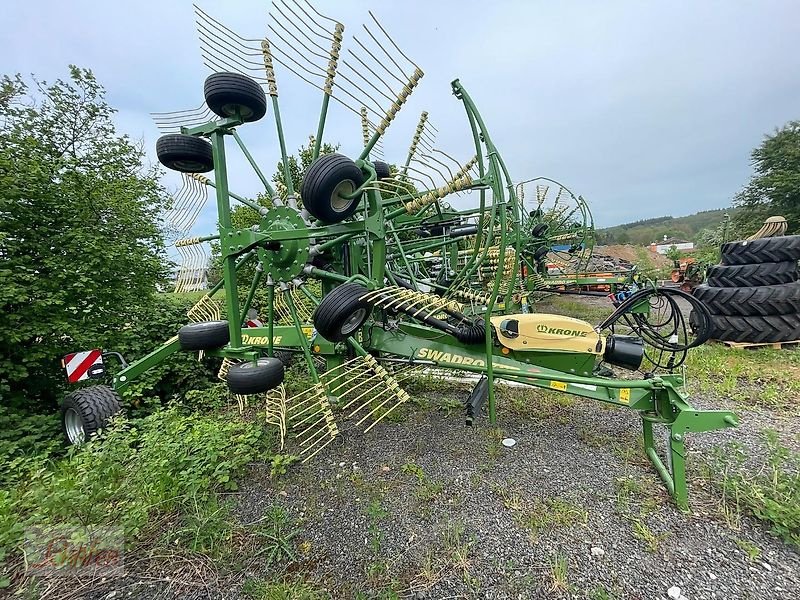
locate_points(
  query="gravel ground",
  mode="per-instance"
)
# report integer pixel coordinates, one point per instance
(431, 509)
(488, 496)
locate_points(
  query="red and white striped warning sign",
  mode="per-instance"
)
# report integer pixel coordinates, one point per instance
(254, 322)
(78, 364)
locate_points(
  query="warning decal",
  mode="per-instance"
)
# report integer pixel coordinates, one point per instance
(78, 364)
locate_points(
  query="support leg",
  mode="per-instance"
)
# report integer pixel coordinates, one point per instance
(678, 460)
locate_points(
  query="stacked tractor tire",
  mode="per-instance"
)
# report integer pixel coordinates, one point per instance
(754, 293)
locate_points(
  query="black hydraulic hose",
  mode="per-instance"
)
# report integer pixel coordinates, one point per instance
(649, 331)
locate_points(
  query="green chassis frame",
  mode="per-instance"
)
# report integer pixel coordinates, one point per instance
(659, 400)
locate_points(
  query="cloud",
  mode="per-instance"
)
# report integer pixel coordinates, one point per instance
(645, 109)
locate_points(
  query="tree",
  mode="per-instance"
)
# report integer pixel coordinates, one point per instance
(673, 253)
(774, 188)
(81, 249)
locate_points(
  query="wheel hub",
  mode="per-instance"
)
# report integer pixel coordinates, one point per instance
(286, 262)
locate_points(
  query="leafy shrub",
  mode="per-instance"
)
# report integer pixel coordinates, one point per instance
(27, 440)
(140, 475)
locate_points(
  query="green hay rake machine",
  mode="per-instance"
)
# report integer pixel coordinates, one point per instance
(371, 275)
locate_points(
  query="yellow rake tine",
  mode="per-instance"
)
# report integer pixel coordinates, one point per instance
(383, 416)
(363, 370)
(375, 397)
(350, 403)
(306, 459)
(319, 408)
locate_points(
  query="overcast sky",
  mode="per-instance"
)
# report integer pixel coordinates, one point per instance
(644, 108)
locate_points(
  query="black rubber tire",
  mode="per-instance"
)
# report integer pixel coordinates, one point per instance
(336, 309)
(763, 300)
(775, 249)
(325, 178)
(774, 328)
(234, 94)
(751, 275)
(185, 153)
(382, 169)
(208, 335)
(539, 230)
(286, 357)
(255, 377)
(94, 405)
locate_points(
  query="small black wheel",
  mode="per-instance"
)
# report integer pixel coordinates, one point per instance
(342, 312)
(382, 169)
(539, 230)
(329, 178)
(540, 253)
(204, 336)
(185, 153)
(255, 377)
(84, 412)
(235, 95)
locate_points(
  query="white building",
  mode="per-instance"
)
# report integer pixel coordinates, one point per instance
(663, 246)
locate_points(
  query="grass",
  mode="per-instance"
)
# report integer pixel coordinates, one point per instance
(752, 551)
(642, 532)
(771, 492)
(427, 490)
(762, 376)
(262, 589)
(551, 513)
(559, 575)
(277, 535)
(458, 548)
(576, 308)
(538, 405)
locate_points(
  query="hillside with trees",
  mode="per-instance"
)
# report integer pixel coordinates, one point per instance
(645, 231)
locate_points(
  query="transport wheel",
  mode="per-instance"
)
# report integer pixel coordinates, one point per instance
(255, 377)
(539, 230)
(342, 312)
(382, 169)
(773, 328)
(327, 179)
(235, 95)
(752, 275)
(184, 153)
(774, 249)
(84, 412)
(745, 301)
(204, 336)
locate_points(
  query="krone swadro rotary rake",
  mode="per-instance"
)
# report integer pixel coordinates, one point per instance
(370, 273)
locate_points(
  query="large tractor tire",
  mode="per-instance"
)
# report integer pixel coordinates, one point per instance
(774, 328)
(752, 275)
(772, 250)
(342, 312)
(86, 411)
(748, 301)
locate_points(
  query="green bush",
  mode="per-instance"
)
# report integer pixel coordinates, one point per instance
(155, 475)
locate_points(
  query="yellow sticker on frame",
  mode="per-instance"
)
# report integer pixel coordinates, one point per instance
(625, 395)
(558, 385)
